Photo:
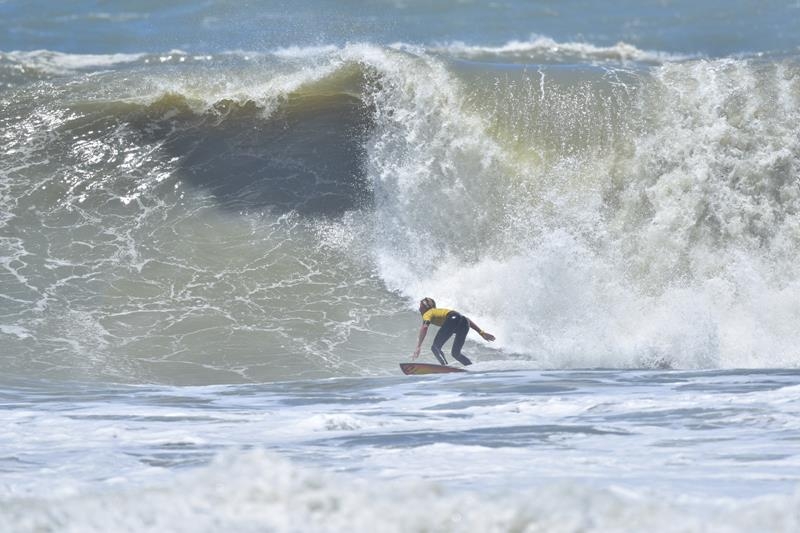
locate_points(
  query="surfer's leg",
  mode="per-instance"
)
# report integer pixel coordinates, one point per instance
(444, 333)
(461, 358)
(461, 331)
(437, 351)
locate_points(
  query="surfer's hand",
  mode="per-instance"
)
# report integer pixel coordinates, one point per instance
(415, 354)
(487, 336)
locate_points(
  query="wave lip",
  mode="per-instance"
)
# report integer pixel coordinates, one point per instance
(540, 49)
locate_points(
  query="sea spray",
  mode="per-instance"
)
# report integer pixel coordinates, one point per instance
(653, 243)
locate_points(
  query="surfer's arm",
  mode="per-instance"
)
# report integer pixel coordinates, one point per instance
(487, 336)
(423, 330)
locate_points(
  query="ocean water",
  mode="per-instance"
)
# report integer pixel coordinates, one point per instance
(216, 219)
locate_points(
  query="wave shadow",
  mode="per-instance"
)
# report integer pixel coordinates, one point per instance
(307, 156)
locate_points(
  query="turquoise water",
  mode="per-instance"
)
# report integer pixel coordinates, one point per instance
(713, 29)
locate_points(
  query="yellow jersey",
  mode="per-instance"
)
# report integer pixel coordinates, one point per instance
(435, 316)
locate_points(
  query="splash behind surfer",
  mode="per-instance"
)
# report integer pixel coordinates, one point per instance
(450, 323)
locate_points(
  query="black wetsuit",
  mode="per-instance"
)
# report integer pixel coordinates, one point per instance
(457, 324)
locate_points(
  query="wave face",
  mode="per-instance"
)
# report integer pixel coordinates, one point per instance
(232, 217)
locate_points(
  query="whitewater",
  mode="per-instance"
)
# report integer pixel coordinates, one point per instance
(216, 224)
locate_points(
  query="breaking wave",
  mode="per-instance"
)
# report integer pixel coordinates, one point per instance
(285, 208)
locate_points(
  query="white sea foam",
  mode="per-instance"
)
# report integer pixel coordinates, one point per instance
(53, 62)
(17, 331)
(542, 446)
(255, 491)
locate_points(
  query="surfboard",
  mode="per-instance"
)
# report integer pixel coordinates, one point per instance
(426, 368)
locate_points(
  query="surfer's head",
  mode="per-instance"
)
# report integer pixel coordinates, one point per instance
(425, 304)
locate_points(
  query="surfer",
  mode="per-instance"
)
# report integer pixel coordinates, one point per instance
(450, 322)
